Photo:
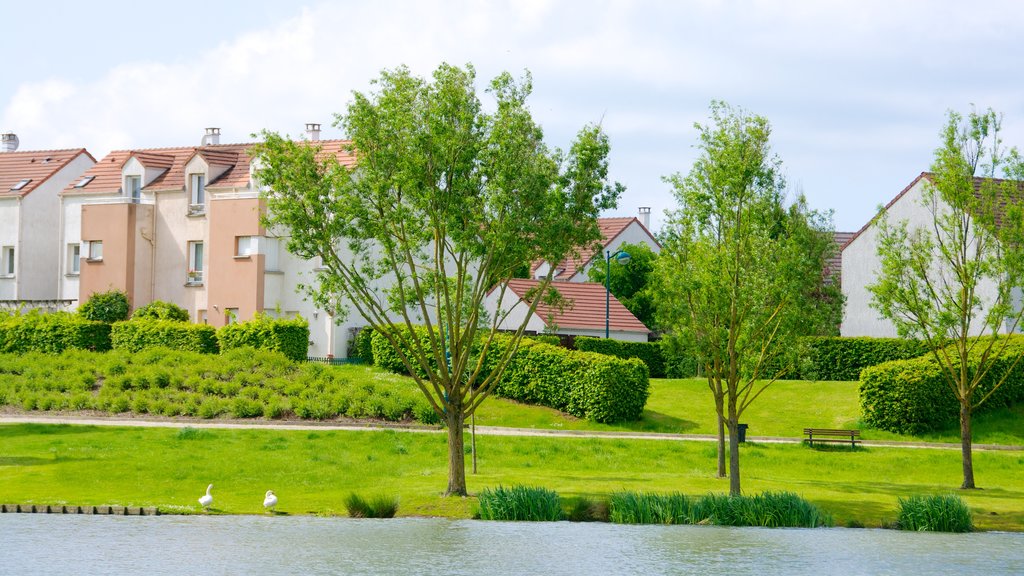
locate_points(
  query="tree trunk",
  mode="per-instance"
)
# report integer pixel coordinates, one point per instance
(734, 457)
(965, 445)
(721, 438)
(456, 454)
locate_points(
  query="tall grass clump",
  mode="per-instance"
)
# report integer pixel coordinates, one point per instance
(940, 513)
(523, 503)
(770, 510)
(377, 507)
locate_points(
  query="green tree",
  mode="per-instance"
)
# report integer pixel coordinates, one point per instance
(957, 277)
(111, 306)
(444, 203)
(630, 283)
(740, 275)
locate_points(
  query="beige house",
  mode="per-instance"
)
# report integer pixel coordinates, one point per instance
(30, 184)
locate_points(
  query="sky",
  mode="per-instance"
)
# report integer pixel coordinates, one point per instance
(856, 91)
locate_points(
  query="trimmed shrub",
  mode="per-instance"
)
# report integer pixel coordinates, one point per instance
(649, 352)
(161, 310)
(947, 513)
(912, 396)
(139, 334)
(520, 503)
(109, 307)
(52, 333)
(829, 358)
(546, 339)
(362, 347)
(288, 336)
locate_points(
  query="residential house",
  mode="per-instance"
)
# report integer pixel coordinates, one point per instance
(860, 262)
(30, 184)
(614, 233)
(583, 315)
(183, 225)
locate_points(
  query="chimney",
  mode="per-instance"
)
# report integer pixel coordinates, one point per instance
(645, 216)
(312, 132)
(212, 136)
(8, 142)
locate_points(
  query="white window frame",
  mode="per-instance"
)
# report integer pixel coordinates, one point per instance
(245, 246)
(9, 262)
(197, 193)
(74, 258)
(196, 263)
(95, 251)
(133, 188)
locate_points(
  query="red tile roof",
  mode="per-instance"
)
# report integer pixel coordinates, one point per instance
(834, 266)
(36, 165)
(107, 172)
(585, 309)
(611, 228)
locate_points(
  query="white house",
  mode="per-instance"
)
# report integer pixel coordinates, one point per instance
(614, 233)
(584, 314)
(860, 263)
(30, 183)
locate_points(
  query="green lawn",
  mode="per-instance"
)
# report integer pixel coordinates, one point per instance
(312, 472)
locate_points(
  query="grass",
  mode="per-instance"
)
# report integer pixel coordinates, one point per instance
(939, 513)
(376, 507)
(770, 510)
(523, 503)
(314, 472)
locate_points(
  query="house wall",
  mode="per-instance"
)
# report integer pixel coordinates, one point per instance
(114, 225)
(10, 224)
(861, 264)
(235, 282)
(174, 229)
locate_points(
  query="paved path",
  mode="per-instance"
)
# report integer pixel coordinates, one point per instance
(482, 430)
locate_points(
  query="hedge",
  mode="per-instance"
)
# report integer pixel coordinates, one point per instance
(288, 336)
(585, 384)
(161, 310)
(831, 358)
(111, 306)
(912, 396)
(649, 352)
(52, 333)
(362, 345)
(139, 334)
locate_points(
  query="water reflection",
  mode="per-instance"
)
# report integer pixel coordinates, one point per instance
(51, 544)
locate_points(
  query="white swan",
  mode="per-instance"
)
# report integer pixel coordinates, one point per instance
(205, 501)
(270, 501)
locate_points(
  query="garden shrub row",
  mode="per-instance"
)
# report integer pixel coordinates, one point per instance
(834, 358)
(649, 352)
(52, 333)
(912, 396)
(136, 335)
(288, 336)
(585, 384)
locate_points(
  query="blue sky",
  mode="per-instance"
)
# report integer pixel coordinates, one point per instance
(856, 91)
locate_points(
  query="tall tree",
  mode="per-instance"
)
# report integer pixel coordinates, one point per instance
(444, 203)
(631, 283)
(740, 273)
(954, 278)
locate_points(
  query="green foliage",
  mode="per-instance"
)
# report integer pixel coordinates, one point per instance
(649, 352)
(109, 307)
(832, 358)
(585, 509)
(288, 336)
(161, 310)
(940, 513)
(149, 332)
(52, 333)
(630, 283)
(769, 509)
(551, 339)
(912, 396)
(363, 345)
(377, 507)
(520, 503)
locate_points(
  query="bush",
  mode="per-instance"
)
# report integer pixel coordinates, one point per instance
(828, 358)
(160, 310)
(934, 514)
(52, 333)
(362, 346)
(288, 336)
(379, 507)
(520, 503)
(649, 352)
(106, 307)
(769, 509)
(140, 334)
(546, 339)
(912, 396)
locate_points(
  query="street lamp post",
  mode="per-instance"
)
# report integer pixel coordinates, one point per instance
(621, 257)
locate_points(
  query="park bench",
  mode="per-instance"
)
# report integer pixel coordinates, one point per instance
(831, 435)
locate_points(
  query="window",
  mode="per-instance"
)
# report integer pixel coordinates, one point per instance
(95, 250)
(84, 181)
(245, 246)
(21, 184)
(7, 261)
(201, 317)
(197, 200)
(230, 315)
(74, 258)
(195, 263)
(133, 187)
(271, 262)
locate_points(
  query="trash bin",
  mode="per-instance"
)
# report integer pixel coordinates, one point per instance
(741, 432)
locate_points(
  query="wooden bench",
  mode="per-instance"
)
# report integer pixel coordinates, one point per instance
(831, 435)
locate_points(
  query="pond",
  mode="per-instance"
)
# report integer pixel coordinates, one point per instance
(56, 544)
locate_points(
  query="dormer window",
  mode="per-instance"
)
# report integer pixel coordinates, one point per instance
(197, 194)
(133, 188)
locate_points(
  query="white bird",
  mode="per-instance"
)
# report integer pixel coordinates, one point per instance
(270, 501)
(205, 501)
